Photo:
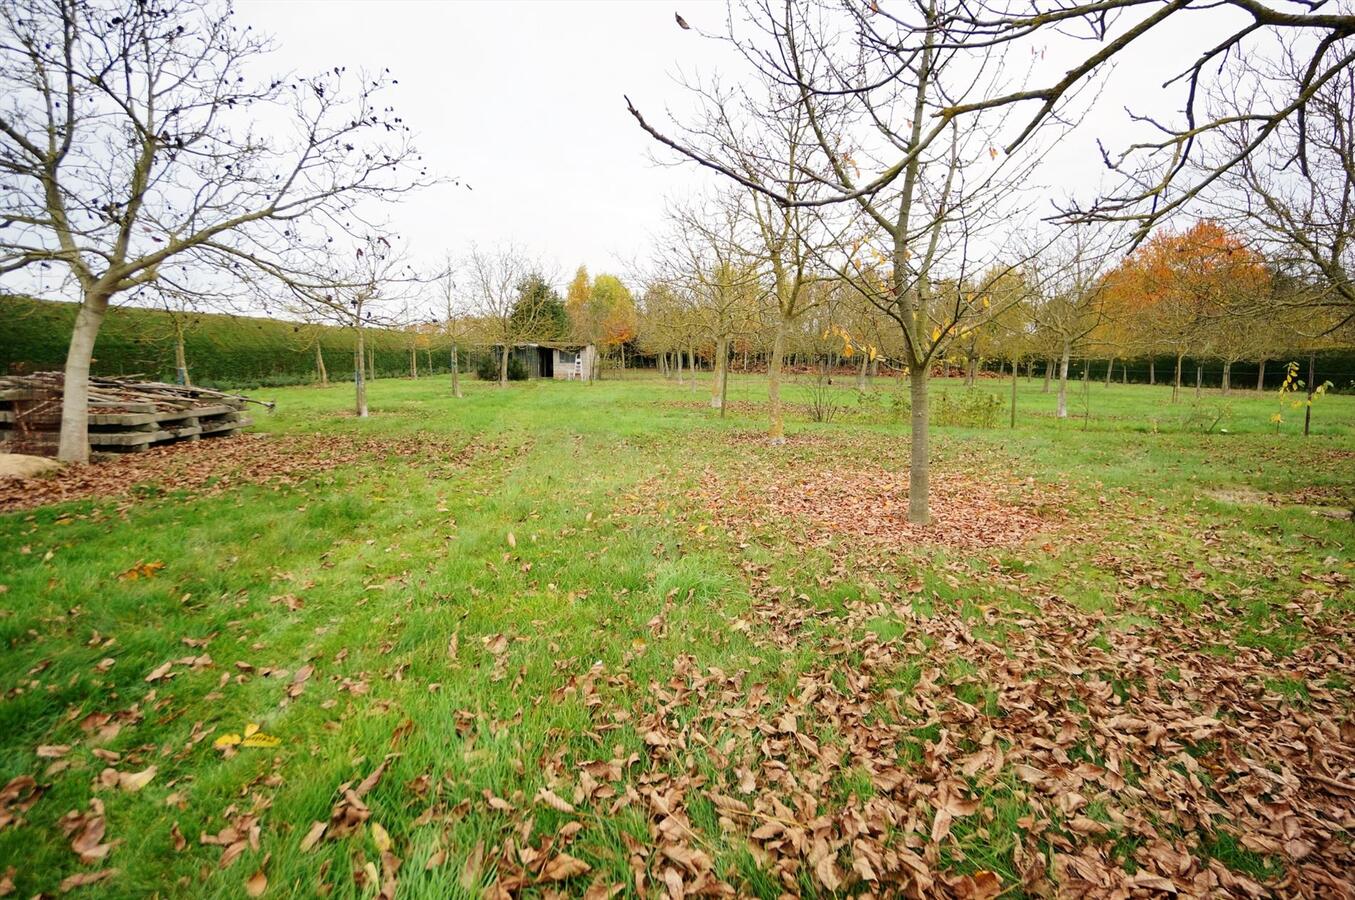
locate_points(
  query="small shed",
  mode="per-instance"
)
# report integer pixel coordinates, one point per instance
(560, 360)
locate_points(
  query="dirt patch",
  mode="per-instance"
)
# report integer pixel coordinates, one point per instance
(1241, 496)
(211, 467)
(1327, 502)
(21, 465)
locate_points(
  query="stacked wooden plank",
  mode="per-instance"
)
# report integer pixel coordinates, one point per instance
(125, 415)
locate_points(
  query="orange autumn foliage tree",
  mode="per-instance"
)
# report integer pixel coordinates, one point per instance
(601, 311)
(1184, 292)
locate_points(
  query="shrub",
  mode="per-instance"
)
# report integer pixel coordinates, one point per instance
(970, 408)
(823, 402)
(487, 369)
(1204, 416)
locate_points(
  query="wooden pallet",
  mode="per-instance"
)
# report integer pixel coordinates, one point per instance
(124, 416)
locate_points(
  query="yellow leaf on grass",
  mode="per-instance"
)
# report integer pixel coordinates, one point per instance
(253, 738)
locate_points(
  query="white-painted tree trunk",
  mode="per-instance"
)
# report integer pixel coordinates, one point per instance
(73, 443)
(359, 376)
(180, 356)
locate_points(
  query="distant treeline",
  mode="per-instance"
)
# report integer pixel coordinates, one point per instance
(223, 351)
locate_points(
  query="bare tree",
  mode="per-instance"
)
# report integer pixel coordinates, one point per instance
(1295, 193)
(1069, 301)
(759, 131)
(457, 326)
(365, 290)
(130, 137)
(494, 279)
(1159, 175)
(908, 199)
(708, 256)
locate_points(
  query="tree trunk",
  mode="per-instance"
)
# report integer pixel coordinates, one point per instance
(1086, 392)
(691, 367)
(724, 389)
(503, 367)
(1016, 374)
(180, 356)
(970, 363)
(456, 373)
(776, 427)
(918, 474)
(1199, 377)
(1063, 381)
(1176, 384)
(1048, 372)
(359, 377)
(414, 363)
(1110, 369)
(320, 369)
(73, 445)
(1152, 371)
(678, 357)
(1261, 377)
(717, 387)
(1227, 377)
(861, 373)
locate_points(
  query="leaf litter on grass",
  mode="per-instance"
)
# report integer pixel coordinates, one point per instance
(1076, 753)
(211, 467)
(1036, 749)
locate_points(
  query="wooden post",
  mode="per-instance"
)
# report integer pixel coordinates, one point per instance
(1312, 386)
(1016, 373)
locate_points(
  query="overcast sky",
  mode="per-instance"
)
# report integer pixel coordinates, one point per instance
(523, 101)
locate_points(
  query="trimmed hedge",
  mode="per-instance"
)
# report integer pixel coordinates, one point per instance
(1336, 366)
(223, 351)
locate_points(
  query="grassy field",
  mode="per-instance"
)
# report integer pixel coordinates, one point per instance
(577, 639)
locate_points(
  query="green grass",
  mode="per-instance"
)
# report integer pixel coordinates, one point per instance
(394, 557)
